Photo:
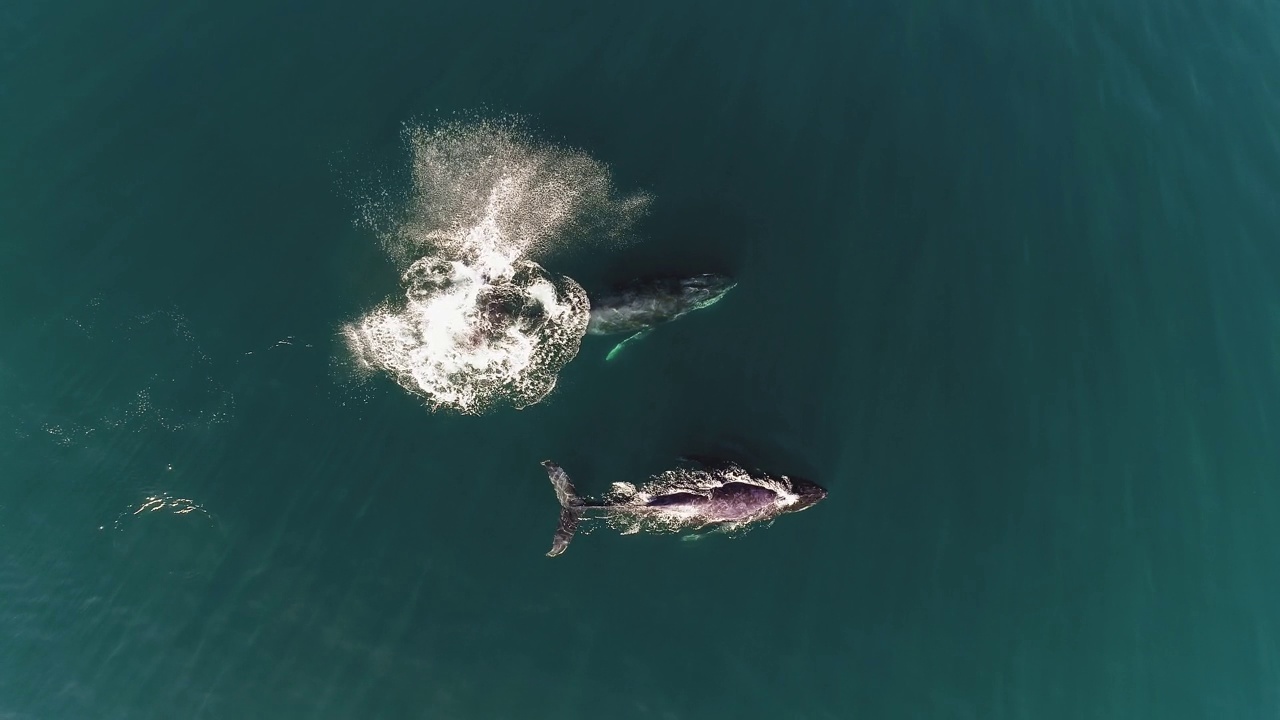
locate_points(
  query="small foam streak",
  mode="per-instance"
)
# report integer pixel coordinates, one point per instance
(481, 322)
(105, 373)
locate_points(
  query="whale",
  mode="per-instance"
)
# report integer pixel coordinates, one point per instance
(637, 307)
(708, 495)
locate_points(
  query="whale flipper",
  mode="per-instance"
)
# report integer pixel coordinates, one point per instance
(618, 348)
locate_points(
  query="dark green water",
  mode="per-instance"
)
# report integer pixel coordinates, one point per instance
(1008, 289)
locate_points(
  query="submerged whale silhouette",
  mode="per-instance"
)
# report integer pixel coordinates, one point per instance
(641, 305)
(715, 495)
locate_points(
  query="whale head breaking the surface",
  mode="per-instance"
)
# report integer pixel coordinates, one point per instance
(641, 305)
(716, 495)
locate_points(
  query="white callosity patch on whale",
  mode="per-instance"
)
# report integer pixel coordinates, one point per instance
(480, 321)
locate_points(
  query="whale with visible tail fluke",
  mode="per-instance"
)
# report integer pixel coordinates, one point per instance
(641, 305)
(714, 495)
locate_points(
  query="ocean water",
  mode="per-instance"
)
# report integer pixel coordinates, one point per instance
(1007, 288)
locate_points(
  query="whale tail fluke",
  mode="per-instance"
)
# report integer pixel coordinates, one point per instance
(570, 508)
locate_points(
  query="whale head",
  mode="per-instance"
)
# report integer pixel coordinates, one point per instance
(810, 494)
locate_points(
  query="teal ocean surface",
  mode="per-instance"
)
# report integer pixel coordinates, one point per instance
(1009, 288)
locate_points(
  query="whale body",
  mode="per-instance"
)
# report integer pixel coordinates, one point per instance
(715, 495)
(641, 305)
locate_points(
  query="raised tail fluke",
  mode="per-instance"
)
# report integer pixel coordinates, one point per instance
(570, 508)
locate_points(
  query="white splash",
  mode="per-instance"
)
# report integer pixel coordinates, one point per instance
(481, 322)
